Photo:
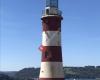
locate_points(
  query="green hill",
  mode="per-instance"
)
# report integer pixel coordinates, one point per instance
(89, 72)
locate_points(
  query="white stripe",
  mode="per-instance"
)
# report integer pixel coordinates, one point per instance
(51, 70)
(51, 38)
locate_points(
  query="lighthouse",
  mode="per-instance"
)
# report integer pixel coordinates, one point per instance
(51, 62)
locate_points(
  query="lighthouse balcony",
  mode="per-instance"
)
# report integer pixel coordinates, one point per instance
(51, 12)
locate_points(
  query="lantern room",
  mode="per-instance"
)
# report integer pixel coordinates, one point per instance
(51, 8)
(52, 3)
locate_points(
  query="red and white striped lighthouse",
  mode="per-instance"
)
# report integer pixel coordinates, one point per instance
(51, 64)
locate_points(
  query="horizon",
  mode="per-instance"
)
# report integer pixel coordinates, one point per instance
(39, 67)
(21, 33)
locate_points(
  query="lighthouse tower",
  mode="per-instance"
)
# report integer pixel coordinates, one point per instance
(51, 62)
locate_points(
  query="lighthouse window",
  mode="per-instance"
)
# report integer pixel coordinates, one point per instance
(47, 3)
(47, 11)
(52, 3)
(46, 54)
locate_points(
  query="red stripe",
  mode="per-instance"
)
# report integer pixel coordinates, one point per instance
(51, 79)
(51, 23)
(52, 53)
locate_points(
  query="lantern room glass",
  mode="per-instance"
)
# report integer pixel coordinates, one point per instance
(52, 3)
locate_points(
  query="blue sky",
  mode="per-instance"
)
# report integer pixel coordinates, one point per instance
(21, 31)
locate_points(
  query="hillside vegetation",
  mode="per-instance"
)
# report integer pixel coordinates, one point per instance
(89, 72)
